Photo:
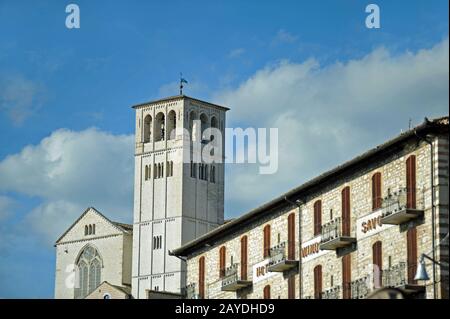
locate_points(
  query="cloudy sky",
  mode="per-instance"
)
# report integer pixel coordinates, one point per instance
(332, 87)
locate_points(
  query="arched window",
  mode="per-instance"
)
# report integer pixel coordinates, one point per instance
(147, 128)
(318, 282)
(376, 191)
(222, 256)
(193, 125)
(146, 172)
(171, 125)
(244, 257)
(346, 217)
(291, 236)
(93, 229)
(266, 292)
(317, 217)
(266, 232)
(159, 127)
(377, 260)
(86, 230)
(90, 229)
(213, 174)
(89, 265)
(155, 171)
(213, 125)
(204, 126)
(205, 175)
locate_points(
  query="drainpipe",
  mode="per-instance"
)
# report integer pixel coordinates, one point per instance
(298, 203)
(433, 213)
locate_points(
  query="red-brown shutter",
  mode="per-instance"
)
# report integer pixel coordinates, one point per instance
(291, 287)
(411, 239)
(317, 217)
(318, 282)
(346, 218)
(201, 277)
(222, 255)
(346, 276)
(377, 261)
(411, 182)
(376, 191)
(291, 237)
(244, 243)
(266, 241)
(267, 292)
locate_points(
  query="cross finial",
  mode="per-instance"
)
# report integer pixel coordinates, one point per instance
(182, 80)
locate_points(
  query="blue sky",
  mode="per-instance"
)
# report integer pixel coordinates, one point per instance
(66, 124)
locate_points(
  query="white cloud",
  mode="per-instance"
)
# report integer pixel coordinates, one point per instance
(284, 36)
(235, 53)
(6, 205)
(20, 98)
(71, 171)
(328, 114)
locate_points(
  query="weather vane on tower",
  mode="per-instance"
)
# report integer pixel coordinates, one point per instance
(182, 80)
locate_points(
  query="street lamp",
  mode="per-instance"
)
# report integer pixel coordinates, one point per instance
(421, 273)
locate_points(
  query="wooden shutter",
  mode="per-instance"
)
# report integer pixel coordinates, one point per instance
(346, 218)
(376, 191)
(317, 217)
(291, 287)
(411, 182)
(291, 237)
(266, 241)
(222, 255)
(318, 282)
(378, 262)
(267, 292)
(346, 276)
(244, 242)
(411, 238)
(201, 277)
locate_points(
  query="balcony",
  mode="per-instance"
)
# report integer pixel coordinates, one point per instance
(188, 292)
(396, 277)
(402, 206)
(279, 261)
(361, 287)
(231, 281)
(332, 293)
(332, 236)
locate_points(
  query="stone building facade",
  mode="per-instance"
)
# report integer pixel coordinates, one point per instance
(177, 197)
(92, 250)
(359, 227)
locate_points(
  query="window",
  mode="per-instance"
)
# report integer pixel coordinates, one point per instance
(89, 265)
(213, 174)
(291, 287)
(93, 229)
(193, 125)
(318, 282)
(411, 239)
(204, 126)
(222, 256)
(157, 242)
(155, 171)
(266, 252)
(377, 262)
(169, 171)
(411, 182)
(90, 229)
(201, 277)
(159, 127)
(346, 218)
(317, 217)
(86, 230)
(291, 236)
(147, 128)
(200, 171)
(146, 172)
(193, 170)
(376, 191)
(266, 292)
(346, 276)
(244, 243)
(171, 125)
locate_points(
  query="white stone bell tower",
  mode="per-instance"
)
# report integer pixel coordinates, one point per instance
(175, 200)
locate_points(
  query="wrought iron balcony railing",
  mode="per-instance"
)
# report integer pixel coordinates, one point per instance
(360, 288)
(189, 292)
(231, 280)
(332, 293)
(333, 236)
(402, 206)
(394, 276)
(279, 261)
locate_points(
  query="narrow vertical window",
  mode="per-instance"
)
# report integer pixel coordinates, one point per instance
(291, 236)
(411, 182)
(266, 232)
(346, 217)
(222, 256)
(376, 191)
(93, 229)
(317, 217)
(90, 229)
(266, 292)
(244, 243)
(201, 277)
(346, 276)
(411, 238)
(318, 282)
(146, 172)
(86, 230)
(377, 262)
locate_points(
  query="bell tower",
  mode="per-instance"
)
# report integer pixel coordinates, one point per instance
(177, 196)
